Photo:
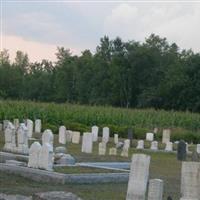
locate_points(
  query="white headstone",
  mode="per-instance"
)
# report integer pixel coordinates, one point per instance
(87, 143)
(155, 191)
(102, 148)
(166, 135)
(5, 124)
(113, 151)
(69, 135)
(116, 138)
(16, 123)
(127, 143)
(106, 134)
(76, 137)
(198, 148)
(34, 152)
(22, 139)
(190, 180)
(47, 137)
(138, 177)
(62, 135)
(38, 125)
(29, 124)
(140, 144)
(125, 149)
(169, 146)
(154, 145)
(10, 139)
(149, 136)
(95, 130)
(46, 157)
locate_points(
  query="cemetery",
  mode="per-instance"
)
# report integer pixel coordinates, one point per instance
(122, 168)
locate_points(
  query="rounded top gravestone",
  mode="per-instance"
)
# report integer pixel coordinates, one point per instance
(181, 151)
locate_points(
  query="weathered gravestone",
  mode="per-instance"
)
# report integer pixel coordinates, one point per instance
(95, 131)
(125, 149)
(102, 148)
(138, 177)
(113, 151)
(62, 135)
(34, 152)
(181, 151)
(16, 123)
(69, 134)
(87, 143)
(10, 138)
(22, 139)
(195, 156)
(130, 136)
(38, 125)
(155, 130)
(46, 157)
(5, 124)
(140, 144)
(76, 137)
(47, 137)
(116, 140)
(29, 124)
(154, 145)
(166, 135)
(198, 148)
(106, 134)
(155, 191)
(190, 181)
(149, 136)
(169, 146)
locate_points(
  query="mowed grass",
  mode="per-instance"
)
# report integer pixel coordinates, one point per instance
(163, 166)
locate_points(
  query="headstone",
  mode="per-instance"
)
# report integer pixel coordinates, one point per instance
(34, 152)
(102, 148)
(125, 149)
(195, 156)
(106, 134)
(154, 145)
(29, 124)
(47, 137)
(46, 157)
(119, 145)
(138, 177)
(155, 130)
(22, 139)
(198, 148)
(10, 138)
(62, 135)
(181, 151)
(127, 143)
(76, 137)
(113, 151)
(149, 136)
(116, 140)
(140, 144)
(190, 180)
(155, 191)
(5, 124)
(169, 146)
(38, 125)
(166, 135)
(69, 135)
(95, 131)
(130, 136)
(16, 123)
(87, 143)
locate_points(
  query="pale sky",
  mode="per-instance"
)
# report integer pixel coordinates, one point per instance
(38, 27)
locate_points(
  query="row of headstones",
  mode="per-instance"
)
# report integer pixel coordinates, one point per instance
(139, 175)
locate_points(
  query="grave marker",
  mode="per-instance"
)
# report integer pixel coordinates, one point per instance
(62, 135)
(95, 130)
(155, 189)
(106, 134)
(87, 143)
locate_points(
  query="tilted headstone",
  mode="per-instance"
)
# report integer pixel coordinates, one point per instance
(62, 135)
(69, 134)
(87, 143)
(76, 137)
(166, 135)
(140, 144)
(106, 134)
(181, 151)
(113, 151)
(116, 140)
(190, 180)
(34, 152)
(16, 123)
(10, 138)
(29, 124)
(38, 125)
(22, 139)
(47, 137)
(198, 148)
(102, 148)
(154, 145)
(138, 177)
(95, 131)
(130, 136)
(169, 146)
(155, 191)
(46, 157)
(149, 136)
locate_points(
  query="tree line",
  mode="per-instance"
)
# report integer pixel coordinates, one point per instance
(154, 73)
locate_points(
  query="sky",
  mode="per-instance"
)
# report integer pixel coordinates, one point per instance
(39, 27)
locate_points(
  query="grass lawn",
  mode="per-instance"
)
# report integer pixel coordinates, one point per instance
(163, 166)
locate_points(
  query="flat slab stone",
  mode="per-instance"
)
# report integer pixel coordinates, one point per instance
(15, 162)
(14, 197)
